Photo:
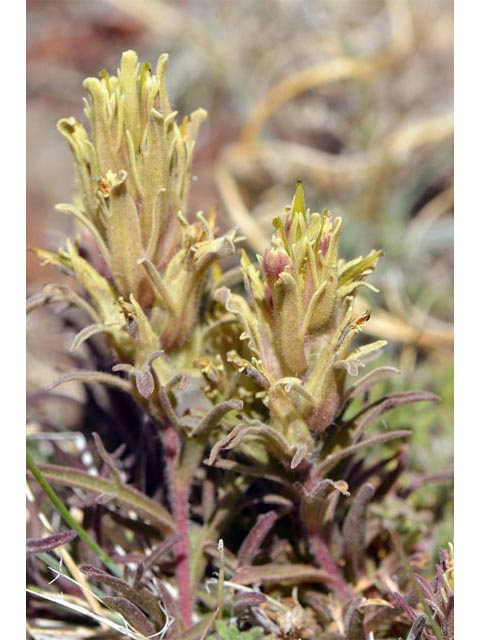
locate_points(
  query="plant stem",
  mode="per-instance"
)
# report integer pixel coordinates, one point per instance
(179, 495)
(69, 519)
(182, 569)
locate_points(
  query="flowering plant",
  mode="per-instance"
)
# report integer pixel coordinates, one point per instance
(255, 399)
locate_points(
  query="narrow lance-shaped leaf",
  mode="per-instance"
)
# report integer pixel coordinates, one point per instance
(87, 333)
(418, 626)
(397, 399)
(107, 458)
(132, 614)
(162, 550)
(126, 496)
(213, 417)
(279, 573)
(139, 596)
(41, 545)
(354, 529)
(354, 621)
(92, 377)
(251, 545)
(335, 458)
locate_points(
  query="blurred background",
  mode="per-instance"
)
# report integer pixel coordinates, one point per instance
(353, 97)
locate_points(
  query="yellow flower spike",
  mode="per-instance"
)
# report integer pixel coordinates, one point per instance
(300, 315)
(133, 174)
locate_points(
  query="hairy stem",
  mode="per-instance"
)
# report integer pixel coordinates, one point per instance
(179, 495)
(182, 550)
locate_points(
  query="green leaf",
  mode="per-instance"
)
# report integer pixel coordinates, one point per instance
(290, 574)
(126, 496)
(139, 596)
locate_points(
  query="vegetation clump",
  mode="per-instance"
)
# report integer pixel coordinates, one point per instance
(234, 490)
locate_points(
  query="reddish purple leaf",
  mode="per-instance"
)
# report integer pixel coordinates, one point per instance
(42, 545)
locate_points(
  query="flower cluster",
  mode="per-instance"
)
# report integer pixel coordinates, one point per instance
(145, 266)
(299, 321)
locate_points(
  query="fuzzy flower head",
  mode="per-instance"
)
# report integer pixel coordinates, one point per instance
(133, 168)
(299, 324)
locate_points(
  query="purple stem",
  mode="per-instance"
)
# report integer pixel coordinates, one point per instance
(178, 491)
(182, 569)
